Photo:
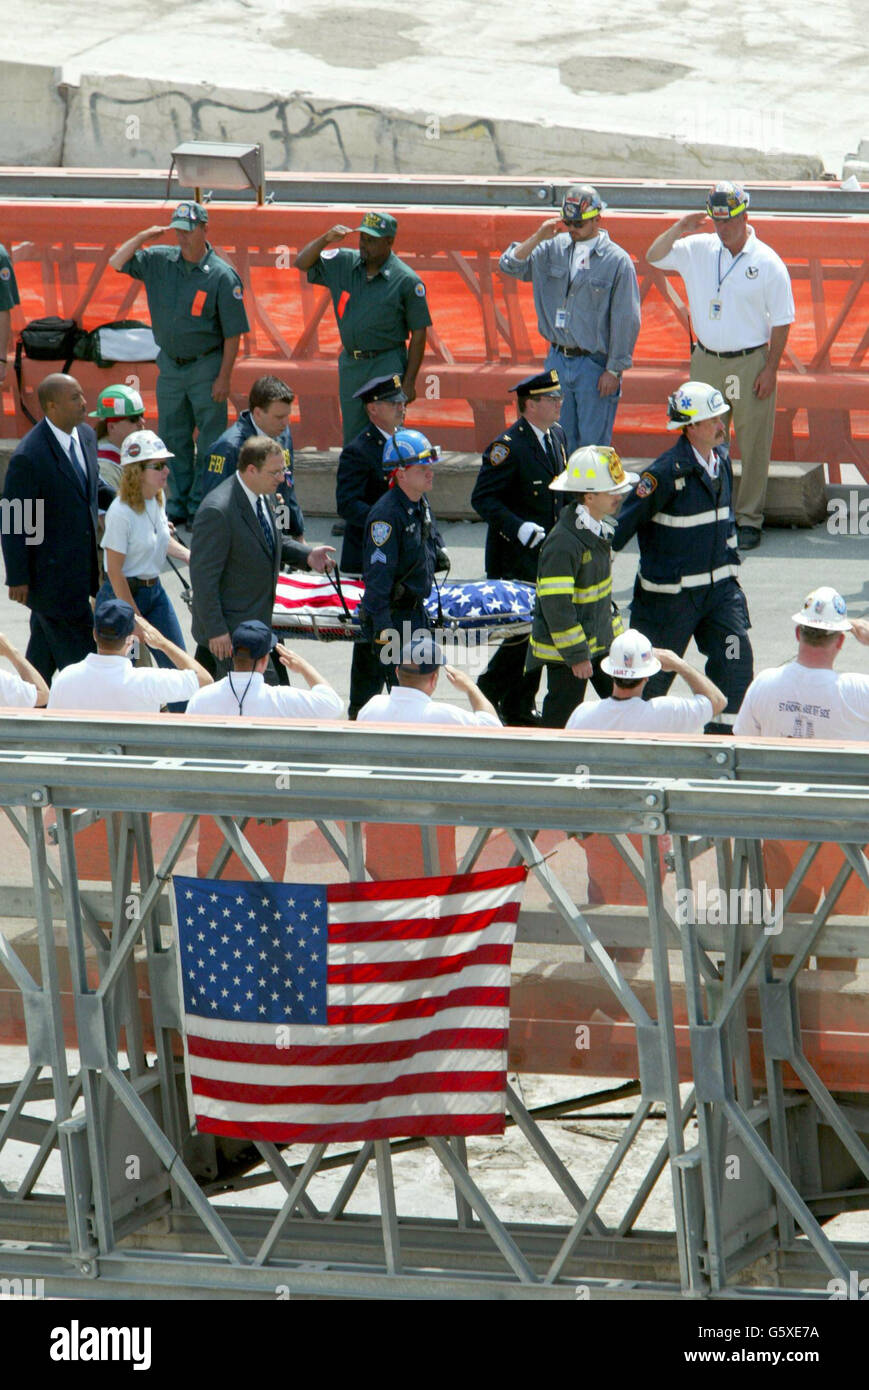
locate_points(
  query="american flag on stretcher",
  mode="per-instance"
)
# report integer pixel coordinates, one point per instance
(310, 603)
(319, 1013)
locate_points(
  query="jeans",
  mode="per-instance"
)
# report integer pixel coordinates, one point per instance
(586, 417)
(155, 606)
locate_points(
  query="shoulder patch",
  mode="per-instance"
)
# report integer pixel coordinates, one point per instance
(330, 253)
(419, 289)
(378, 558)
(646, 486)
(237, 292)
(380, 532)
(498, 453)
(5, 273)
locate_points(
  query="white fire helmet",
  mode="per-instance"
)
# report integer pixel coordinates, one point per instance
(692, 402)
(824, 608)
(594, 468)
(631, 657)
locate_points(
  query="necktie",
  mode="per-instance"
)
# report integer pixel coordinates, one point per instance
(550, 452)
(75, 459)
(265, 523)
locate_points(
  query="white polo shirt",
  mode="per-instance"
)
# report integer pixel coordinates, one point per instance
(141, 537)
(16, 693)
(795, 701)
(753, 289)
(404, 705)
(113, 684)
(249, 689)
(666, 714)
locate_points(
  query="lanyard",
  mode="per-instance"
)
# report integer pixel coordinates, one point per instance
(240, 702)
(730, 267)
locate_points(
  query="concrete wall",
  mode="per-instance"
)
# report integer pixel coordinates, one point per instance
(124, 122)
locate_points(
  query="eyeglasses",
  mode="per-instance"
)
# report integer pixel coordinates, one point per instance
(156, 467)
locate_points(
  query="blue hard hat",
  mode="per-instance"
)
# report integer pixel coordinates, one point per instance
(407, 447)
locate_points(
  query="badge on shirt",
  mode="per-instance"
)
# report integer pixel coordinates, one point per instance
(715, 308)
(498, 453)
(751, 272)
(560, 318)
(646, 486)
(380, 532)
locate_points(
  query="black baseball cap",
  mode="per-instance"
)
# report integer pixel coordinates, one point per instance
(421, 656)
(255, 638)
(113, 618)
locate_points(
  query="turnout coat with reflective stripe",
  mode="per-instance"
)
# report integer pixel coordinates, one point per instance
(683, 521)
(574, 619)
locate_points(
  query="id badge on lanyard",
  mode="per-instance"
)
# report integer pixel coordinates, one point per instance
(561, 318)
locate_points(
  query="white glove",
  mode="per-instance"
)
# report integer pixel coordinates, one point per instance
(530, 534)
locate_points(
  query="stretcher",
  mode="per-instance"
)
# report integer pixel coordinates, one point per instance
(324, 607)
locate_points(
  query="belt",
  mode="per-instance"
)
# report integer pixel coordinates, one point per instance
(359, 356)
(740, 352)
(135, 584)
(571, 352)
(186, 361)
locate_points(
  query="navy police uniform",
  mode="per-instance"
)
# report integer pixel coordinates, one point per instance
(400, 554)
(686, 584)
(223, 462)
(513, 487)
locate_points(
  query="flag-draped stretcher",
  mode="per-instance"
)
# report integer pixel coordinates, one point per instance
(314, 605)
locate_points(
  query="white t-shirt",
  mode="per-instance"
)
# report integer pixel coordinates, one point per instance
(666, 714)
(272, 701)
(141, 537)
(16, 693)
(403, 705)
(113, 683)
(795, 701)
(754, 293)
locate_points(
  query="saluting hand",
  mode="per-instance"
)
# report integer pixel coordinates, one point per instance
(337, 233)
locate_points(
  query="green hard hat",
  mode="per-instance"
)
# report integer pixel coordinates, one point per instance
(118, 402)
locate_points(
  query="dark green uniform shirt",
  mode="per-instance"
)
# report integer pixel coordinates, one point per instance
(8, 287)
(377, 314)
(193, 307)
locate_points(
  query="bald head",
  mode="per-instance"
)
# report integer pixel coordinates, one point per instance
(62, 400)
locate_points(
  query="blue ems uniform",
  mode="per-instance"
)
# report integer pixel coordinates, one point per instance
(512, 487)
(399, 552)
(193, 308)
(686, 584)
(222, 462)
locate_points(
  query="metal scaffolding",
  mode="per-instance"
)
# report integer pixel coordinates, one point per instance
(757, 1162)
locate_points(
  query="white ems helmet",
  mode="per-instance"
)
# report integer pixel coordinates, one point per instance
(594, 468)
(692, 402)
(630, 657)
(824, 608)
(143, 446)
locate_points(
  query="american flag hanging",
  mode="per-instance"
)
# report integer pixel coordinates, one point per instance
(340, 1012)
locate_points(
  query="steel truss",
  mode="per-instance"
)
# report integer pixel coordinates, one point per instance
(797, 1156)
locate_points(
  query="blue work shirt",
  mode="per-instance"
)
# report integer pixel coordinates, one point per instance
(601, 303)
(223, 462)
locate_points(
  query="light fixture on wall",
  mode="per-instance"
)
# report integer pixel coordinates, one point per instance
(205, 163)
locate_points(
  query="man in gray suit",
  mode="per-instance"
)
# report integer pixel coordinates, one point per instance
(236, 553)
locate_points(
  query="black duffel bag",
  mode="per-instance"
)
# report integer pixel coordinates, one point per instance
(46, 340)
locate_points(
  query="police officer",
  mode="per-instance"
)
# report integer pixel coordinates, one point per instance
(8, 299)
(401, 550)
(378, 301)
(588, 309)
(682, 513)
(360, 482)
(196, 303)
(120, 412)
(269, 405)
(512, 494)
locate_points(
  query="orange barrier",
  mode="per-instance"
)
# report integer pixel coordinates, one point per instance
(485, 335)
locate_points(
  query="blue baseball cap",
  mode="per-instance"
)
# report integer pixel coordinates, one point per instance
(113, 618)
(422, 655)
(255, 638)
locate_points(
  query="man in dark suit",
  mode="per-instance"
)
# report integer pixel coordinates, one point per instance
(236, 553)
(361, 481)
(512, 494)
(53, 491)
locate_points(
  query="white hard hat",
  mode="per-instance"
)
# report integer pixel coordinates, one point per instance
(694, 401)
(824, 608)
(142, 446)
(631, 657)
(594, 468)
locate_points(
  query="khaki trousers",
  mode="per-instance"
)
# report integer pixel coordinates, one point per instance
(752, 421)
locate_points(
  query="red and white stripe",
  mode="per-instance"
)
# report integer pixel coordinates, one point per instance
(418, 1018)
